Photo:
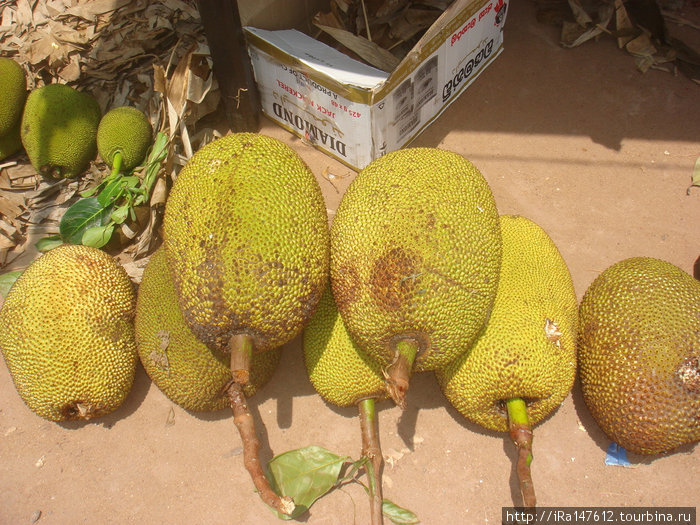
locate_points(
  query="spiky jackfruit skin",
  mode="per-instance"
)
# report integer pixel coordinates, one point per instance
(59, 129)
(246, 233)
(67, 334)
(13, 93)
(10, 143)
(127, 130)
(184, 369)
(339, 371)
(528, 348)
(639, 354)
(415, 251)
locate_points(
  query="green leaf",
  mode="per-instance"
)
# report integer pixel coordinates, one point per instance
(157, 155)
(48, 243)
(97, 236)
(111, 191)
(120, 213)
(305, 475)
(7, 280)
(695, 180)
(81, 216)
(397, 514)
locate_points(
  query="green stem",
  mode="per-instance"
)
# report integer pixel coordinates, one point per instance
(116, 164)
(371, 449)
(521, 434)
(241, 348)
(398, 374)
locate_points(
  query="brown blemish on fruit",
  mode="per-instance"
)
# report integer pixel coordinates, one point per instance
(393, 279)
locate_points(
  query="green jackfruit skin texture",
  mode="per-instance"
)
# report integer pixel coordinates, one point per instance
(528, 347)
(339, 371)
(639, 354)
(415, 251)
(246, 233)
(125, 129)
(67, 334)
(13, 93)
(59, 130)
(184, 369)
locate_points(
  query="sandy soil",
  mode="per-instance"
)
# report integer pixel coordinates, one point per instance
(578, 140)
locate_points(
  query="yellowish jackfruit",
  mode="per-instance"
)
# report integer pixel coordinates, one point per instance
(246, 235)
(183, 368)
(639, 354)
(339, 371)
(415, 254)
(67, 335)
(13, 93)
(59, 129)
(125, 130)
(528, 348)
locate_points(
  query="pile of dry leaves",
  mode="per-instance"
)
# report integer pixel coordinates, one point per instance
(150, 55)
(640, 27)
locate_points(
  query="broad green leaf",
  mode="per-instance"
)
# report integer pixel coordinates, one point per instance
(120, 213)
(397, 514)
(48, 243)
(695, 180)
(82, 215)
(305, 475)
(111, 191)
(97, 236)
(7, 280)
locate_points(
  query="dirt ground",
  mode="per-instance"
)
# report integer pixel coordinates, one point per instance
(597, 153)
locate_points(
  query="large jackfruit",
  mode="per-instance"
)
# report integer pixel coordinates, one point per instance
(59, 129)
(13, 93)
(124, 132)
(523, 364)
(67, 335)
(528, 348)
(246, 234)
(183, 368)
(415, 255)
(344, 376)
(639, 354)
(339, 371)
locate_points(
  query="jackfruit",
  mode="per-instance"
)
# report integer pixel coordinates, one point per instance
(59, 130)
(523, 364)
(639, 354)
(67, 335)
(415, 255)
(246, 234)
(246, 237)
(13, 93)
(127, 131)
(184, 369)
(344, 376)
(339, 371)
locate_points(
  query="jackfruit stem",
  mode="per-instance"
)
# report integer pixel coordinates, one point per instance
(398, 374)
(116, 164)
(371, 449)
(521, 434)
(245, 423)
(241, 348)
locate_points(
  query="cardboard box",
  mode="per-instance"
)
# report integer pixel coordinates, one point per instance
(357, 113)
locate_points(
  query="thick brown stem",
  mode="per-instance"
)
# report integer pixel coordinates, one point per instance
(371, 449)
(521, 434)
(241, 348)
(398, 374)
(251, 450)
